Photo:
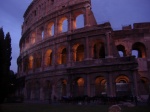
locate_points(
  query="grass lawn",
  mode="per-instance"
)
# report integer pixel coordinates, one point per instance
(22, 107)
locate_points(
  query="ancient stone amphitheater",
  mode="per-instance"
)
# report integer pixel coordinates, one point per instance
(62, 55)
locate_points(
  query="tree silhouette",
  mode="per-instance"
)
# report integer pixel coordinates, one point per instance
(5, 62)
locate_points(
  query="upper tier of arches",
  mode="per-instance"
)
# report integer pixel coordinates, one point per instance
(54, 24)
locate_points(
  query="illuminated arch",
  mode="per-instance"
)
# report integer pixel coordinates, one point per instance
(48, 58)
(33, 36)
(40, 34)
(100, 85)
(63, 25)
(30, 62)
(78, 19)
(78, 86)
(123, 87)
(64, 56)
(80, 53)
(38, 58)
(140, 50)
(122, 78)
(50, 29)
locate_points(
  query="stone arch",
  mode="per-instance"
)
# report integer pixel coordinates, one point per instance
(61, 88)
(121, 50)
(50, 29)
(140, 49)
(25, 64)
(100, 85)
(99, 50)
(80, 53)
(36, 90)
(78, 19)
(47, 90)
(48, 58)
(40, 33)
(30, 64)
(27, 43)
(33, 37)
(144, 86)
(123, 86)
(63, 24)
(76, 47)
(78, 86)
(62, 55)
(38, 59)
(28, 89)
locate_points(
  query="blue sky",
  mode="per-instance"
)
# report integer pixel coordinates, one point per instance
(117, 12)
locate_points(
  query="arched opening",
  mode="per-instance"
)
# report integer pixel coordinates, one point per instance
(121, 50)
(27, 43)
(47, 90)
(37, 91)
(135, 53)
(80, 84)
(48, 58)
(63, 25)
(38, 60)
(123, 86)
(61, 88)
(42, 34)
(80, 53)
(99, 50)
(100, 86)
(50, 29)
(139, 50)
(144, 86)
(33, 35)
(78, 87)
(28, 88)
(80, 21)
(30, 66)
(25, 64)
(64, 56)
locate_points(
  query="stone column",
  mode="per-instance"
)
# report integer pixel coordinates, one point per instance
(135, 85)
(68, 89)
(41, 94)
(69, 54)
(88, 85)
(54, 55)
(70, 23)
(108, 45)
(86, 19)
(87, 49)
(42, 63)
(56, 27)
(110, 86)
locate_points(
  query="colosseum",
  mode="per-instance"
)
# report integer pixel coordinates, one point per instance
(64, 56)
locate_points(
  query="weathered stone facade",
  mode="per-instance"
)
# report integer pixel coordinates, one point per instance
(92, 60)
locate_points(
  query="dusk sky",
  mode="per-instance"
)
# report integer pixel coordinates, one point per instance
(117, 12)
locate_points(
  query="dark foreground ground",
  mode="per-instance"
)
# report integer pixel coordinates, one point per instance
(24, 107)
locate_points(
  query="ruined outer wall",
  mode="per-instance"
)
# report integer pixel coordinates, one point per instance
(139, 35)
